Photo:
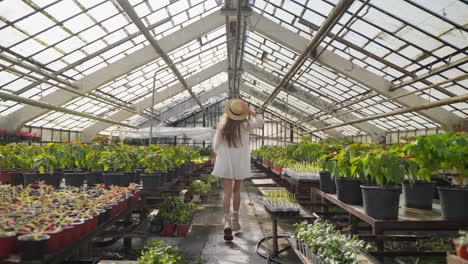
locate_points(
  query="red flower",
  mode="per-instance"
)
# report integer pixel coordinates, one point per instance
(67, 142)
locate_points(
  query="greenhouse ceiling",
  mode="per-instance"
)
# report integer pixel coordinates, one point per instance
(99, 57)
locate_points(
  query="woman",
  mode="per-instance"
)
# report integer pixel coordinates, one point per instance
(231, 145)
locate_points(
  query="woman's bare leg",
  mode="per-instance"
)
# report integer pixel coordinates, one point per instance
(227, 183)
(236, 198)
(236, 204)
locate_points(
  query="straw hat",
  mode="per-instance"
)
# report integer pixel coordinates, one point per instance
(235, 110)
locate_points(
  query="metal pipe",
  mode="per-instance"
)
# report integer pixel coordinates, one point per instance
(24, 100)
(326, 26)
(127, 7)
(241, 58)
(446, 101)
(459, 78)
(236, 54)
(432, 72)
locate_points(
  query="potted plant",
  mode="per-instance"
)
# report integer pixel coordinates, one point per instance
(94, 167)
(349, 178)
(8, 242)
(327, 243)
(461, 245)
(183, 221)
(159, 253)
(33, 246)
(418, 189)
(156, 164)
(198, 188)
(386, 168)
(156, 222)
(328, 165)
(169, 213)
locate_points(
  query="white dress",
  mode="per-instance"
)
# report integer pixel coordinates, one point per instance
(234, 163)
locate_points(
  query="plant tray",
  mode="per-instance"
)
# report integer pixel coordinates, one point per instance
(304, 252)
(281, 213)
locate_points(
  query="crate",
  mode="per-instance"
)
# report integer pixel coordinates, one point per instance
(304, 252)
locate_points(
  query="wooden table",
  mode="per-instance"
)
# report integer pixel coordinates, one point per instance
(409, 219)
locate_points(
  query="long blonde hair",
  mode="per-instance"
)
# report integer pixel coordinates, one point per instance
(231, 131)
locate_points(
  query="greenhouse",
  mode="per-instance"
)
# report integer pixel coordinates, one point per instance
(235, 131)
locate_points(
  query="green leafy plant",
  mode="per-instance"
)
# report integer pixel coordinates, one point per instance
(158, 252)
(328, 243)
(199, 187)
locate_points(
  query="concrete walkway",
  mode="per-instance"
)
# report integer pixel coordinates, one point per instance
(205, 239)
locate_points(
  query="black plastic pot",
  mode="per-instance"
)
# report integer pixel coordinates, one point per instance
(74, 179)
(16, 178)
(419, 194)
(53, 179)
(126, 179)
(33, 248)
(349, 191)
(104, 217)
(454, 203)
(93, 178)
(326, 183)
(32, 178)
(440, 182)
(156, 226)
(111, 179)
(381, 202)
(152, 181)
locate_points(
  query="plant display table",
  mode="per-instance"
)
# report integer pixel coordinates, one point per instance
(303, 214)
(409, 219)
(299, 187)
(74, 248)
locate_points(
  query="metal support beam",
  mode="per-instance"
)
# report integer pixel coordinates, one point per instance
(327, 25)
(122, 66)
(374, 82)
(189, 104)
(69, 87)
(127, 7)
(415, 108)
(433, 72)
(377, 134)
(35, 103)
(163, 95)
(285, 108)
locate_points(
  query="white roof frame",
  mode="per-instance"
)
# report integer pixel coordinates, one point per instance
(449, 121)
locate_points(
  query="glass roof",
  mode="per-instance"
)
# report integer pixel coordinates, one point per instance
(398, 40)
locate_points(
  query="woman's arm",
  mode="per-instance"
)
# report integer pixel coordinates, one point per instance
(216, 141)
(257, 122)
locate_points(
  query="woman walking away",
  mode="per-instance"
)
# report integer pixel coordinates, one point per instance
(231, 144)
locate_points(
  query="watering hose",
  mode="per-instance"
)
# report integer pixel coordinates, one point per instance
(269, 258)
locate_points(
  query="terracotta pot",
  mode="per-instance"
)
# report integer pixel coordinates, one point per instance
(4, 178)
(56, 240)
(68, 235)
(8, 243)
(169, 229)
(461, 250)
(182, 229)
(79, 229)
(87, 225)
